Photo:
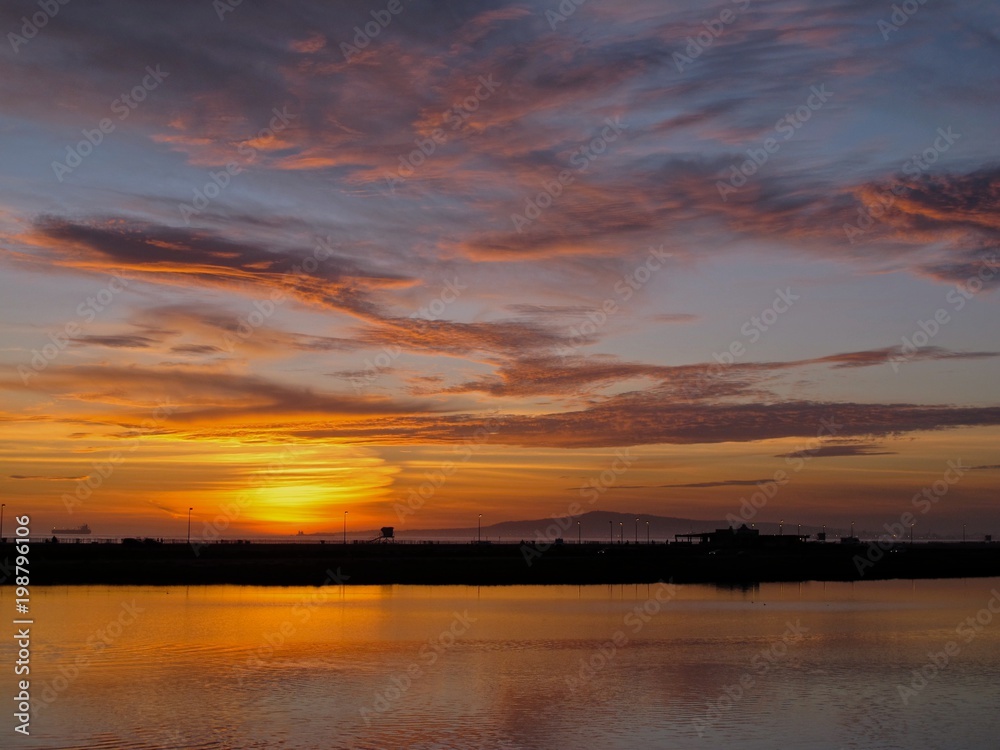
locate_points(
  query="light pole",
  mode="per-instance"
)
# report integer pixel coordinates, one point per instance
(637, 531)
(781, 524)
(611, 530)
(479, 532)
(621, 532)
(911, 533)
(2, 506)
(647, 532)
(189, 524)
(579, 533)
(963, 533)
(345, 527)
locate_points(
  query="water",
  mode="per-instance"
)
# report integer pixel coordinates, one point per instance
(511, 667)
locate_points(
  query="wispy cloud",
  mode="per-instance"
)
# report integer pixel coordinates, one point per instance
(30, 478)
(836, 451)
(321, 249)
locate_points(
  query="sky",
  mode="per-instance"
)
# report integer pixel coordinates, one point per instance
(406, 263)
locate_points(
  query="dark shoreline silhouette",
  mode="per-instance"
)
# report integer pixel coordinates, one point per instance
(280, 564)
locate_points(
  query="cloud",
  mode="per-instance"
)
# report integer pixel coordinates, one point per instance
(700, 485)
(503, 338)
(181, 256)
(675, 318)
(197, 396)
(171, 511)
(874, 357)
(949, 202)
(208, 403)
(418, 88)
(637, 419)
(46, 479)
(115, 342)
(554, 375)
(575, 374)
(832, 451)
(227, 78)
(196, 349)
(576, 311)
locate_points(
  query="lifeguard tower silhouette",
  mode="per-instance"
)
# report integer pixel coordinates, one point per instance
(387, 535)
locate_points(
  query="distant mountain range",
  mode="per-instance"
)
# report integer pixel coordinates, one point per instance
(595, 525)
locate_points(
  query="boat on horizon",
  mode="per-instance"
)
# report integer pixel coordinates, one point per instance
(85, 529)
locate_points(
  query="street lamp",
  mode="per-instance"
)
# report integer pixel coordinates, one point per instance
(189, 524)
(345, 527)
(611, 530)
(781, 524)
(480, 529)
(637, 531)
(647, 532)
(621, 532)
(911, 533)
(579, 534)
(2, 506)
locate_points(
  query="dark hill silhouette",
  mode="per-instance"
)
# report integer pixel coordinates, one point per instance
(594, 525)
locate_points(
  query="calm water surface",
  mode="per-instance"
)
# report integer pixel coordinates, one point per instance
(808, 665)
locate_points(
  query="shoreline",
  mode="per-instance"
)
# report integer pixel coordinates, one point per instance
(169, 564)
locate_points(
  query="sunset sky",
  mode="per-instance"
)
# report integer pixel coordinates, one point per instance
(292, 258)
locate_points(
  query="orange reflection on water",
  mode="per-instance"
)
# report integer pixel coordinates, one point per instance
(567, 666)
